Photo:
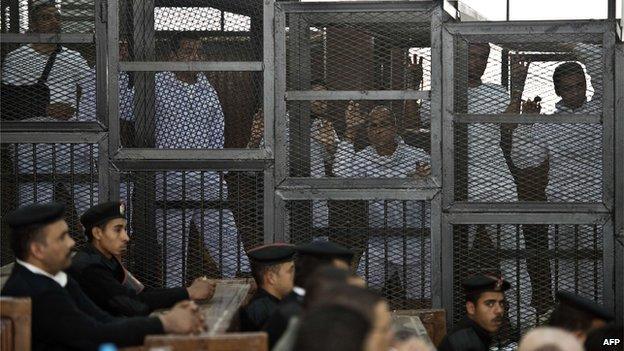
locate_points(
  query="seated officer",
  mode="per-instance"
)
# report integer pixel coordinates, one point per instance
(485, 307)
(63, 317)
(273, 269)
(578, 315)
(310, 257)
(98, 269)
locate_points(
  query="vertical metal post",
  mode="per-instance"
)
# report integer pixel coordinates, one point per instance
(448, 148)
(619, 185)
(608, 146)
(113, 77)
(611, 9)
(144, 50)
(280, 120)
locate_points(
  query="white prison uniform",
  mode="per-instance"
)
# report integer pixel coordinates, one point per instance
(574, 153)
(390, 214)
(189, 116)
(490, 180)
(87, 106)
(25, 66)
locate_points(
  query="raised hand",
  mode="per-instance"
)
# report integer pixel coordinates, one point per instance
(415, 68)
(519, 71)
(532, 106)
(353, 116)
(257, 129)
(325, 134)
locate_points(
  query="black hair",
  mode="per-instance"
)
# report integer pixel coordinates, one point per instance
(306, 265)
(332, 328)
(566, 69)
(595, 338)
(323, 279)
(359, 299)
(176, 40)
(22, 237)
(35, 9)
(259, 269)
(474, 296)
(571, 319)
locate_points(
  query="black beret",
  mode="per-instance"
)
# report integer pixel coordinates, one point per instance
(325, 248)
(484, 282)
(42, 214)
(585, 305)
(272, 253)
(102, 213)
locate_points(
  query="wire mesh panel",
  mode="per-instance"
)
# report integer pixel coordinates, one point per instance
(66, 16)
(358, 50)
(538, 260)
(68, 89)
(184, 224)
(228, 30)
(66, 173)
(188, 110)
(391, 240)
(519, 74)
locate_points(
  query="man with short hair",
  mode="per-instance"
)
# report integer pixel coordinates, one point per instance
(485, 308)
(578, 315)
(98, 269)
(63, 317)
(273, 269)
(549, 339)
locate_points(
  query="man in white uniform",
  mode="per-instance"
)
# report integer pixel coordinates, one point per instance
(574, 153)
(489, 178)
(390, 251)
(24, 66)
(189, 116)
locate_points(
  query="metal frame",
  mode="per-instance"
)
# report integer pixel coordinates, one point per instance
(619, 183)
(309, 95)
(156, 66)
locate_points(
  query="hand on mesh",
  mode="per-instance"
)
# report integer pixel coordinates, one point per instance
(415, 67)
(257, 130)
(353, 119)
(183, 318)
(423, 170)
(60, 110)
(325, 135)
(532, 106)
(201, 289)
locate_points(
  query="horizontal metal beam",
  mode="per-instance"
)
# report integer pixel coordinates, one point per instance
(355, 6)
(286, 193)
(370, 21)
(179, 159)
(308, 95)
(242, 7)
(47, 38)
(526, 119)
(526, 207)
(533, 28)
(51, 126)
(157, 66)
(359, 183)
(527, 218)
(52, 137)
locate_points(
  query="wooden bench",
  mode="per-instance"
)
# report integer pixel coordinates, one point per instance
(220, 342)
(15, 322)
(433, 321)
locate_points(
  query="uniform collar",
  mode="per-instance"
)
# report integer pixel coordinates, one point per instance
(60, 277)
(483, 334)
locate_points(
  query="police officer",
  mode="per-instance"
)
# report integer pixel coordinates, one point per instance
(485, 307)
(98, 269)
(578, 315)
(273, 269)
(63, 317)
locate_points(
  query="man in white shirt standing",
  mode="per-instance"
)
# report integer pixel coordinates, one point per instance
(574, 154)
(387, 156)
(24, 66)
(189, 116)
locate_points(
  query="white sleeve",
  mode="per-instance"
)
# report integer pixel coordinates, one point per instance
(528, 148)
(217, 134)
(345, 160)
(9, 70)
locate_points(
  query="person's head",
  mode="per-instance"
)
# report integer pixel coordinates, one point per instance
(478, 54)
(45, 18)
(105, 227)
(485, 300)
(367, 303)
(381, 127)
(549, 339)
(273, 268)
(570, 84)
(596, 338)
(578, 315)
(40, 236)
(318, 107)
(186, 48)
(332, 328)
(315, 254)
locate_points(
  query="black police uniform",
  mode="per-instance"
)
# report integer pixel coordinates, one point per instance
(262, 305)
(107, 282)
(63, 317)
(468, 335)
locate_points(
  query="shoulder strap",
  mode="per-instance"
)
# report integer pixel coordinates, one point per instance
(48, 66)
